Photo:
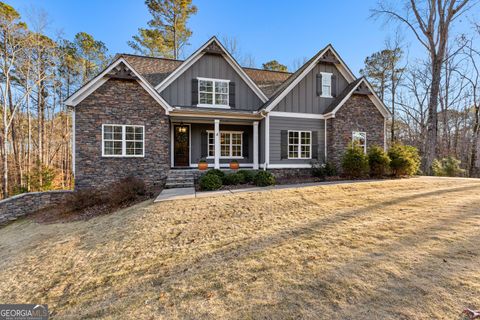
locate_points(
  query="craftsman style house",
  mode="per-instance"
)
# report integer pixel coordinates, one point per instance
(143, 116)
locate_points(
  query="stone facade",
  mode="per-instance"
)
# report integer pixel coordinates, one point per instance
(26, 203)
(357, 114)
(123, 102)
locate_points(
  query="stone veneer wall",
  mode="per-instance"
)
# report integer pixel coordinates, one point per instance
(120, 102)
(357, 114)
(26, 203)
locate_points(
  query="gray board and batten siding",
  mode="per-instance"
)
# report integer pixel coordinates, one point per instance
(179, 93)
(303, 98)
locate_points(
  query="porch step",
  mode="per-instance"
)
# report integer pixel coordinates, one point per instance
(180, 179)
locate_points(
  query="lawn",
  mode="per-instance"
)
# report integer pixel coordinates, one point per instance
(396, 249)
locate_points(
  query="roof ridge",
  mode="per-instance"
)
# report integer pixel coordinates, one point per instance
(148, 57)
(259, 69)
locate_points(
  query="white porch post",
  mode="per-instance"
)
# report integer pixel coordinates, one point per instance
(217, 144)
(255, 145)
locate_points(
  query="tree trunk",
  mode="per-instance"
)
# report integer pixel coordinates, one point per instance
(432, 125)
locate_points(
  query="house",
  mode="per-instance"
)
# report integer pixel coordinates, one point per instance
(143, 116)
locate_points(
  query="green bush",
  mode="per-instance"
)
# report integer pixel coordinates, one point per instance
(233, 179)
(447, 167)
(355, 162)
(248, 175)
(263, 179)
(378, 161)
(210, 182)
(404, 160)
(322, 170)
(219, 173)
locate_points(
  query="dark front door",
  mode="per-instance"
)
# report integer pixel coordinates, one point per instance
(181, 144)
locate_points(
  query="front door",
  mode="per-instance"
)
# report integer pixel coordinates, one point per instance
(181, 147)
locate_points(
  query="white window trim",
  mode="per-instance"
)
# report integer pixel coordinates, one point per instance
(299, 145)
(226, 157)
(124, 148)
(326, 75)
(353, 140)
(214, 105)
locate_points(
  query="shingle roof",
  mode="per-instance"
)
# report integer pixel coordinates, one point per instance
(342, 95)
(155, 70)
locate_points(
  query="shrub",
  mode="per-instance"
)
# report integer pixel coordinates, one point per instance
(125, 190)
(210, 182)
(264, 178)
(355, 162)
(448, 167)
(219, 173)
(233, 179)
(322, 170)
(248, 175)
(84, 199)
(404, 160)
(378, 161)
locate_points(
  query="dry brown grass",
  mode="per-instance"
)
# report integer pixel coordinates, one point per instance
(404, 249)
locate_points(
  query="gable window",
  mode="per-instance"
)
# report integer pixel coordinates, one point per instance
(360, 138)
(299, 144)
(326, 85)
(122, 141)
(231, 144)
(213, 93)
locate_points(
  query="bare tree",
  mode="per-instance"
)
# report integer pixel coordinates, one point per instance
(431, 22)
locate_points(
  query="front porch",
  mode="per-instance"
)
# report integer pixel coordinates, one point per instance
(217, 141)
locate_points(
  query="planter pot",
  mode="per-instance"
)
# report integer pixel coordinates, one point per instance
(234, 165)
(202, 166)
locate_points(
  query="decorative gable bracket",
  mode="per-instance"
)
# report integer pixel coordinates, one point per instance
(362, 89)
(213, 48)
(121, 71)
(328, 57)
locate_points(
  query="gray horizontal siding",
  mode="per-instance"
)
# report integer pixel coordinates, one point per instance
(179, 93)
(277, 124)
(303, 97)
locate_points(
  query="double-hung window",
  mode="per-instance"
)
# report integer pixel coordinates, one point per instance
(213, 93)
(122, 140)
(326, 85)
(299, 144)
(231, 144)
(360, 139)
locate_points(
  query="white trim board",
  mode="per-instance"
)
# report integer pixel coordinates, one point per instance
(100, 79)
(296, 115)
(288, 165)
(197, 55)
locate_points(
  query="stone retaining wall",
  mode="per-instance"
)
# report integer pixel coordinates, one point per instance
(26, 203)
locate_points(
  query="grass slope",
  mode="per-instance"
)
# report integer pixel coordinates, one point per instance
(402, 249)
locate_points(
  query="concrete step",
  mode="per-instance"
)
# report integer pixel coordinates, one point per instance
(180, 179)
(178, 185)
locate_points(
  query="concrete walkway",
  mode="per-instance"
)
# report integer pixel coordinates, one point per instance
(189, 193)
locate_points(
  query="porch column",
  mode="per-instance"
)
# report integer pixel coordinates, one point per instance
(217, 144)
(255, 145)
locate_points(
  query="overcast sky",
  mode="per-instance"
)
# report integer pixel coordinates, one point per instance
(286, 31)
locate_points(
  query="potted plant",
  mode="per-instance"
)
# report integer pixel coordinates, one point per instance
(234, 165)
(202, 165)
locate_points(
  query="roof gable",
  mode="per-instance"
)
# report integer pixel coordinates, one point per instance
(327, 54)
(359, 86)
(212, 46)
(120, 68)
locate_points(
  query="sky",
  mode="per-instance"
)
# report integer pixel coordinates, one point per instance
(287, 31)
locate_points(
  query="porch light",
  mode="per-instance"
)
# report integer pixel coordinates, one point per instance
(182, 129)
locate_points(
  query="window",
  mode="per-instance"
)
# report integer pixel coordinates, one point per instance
(122, 141)
(360, 138)
(326, 85)
(299, 144)
(231, 143)
(213, 92)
